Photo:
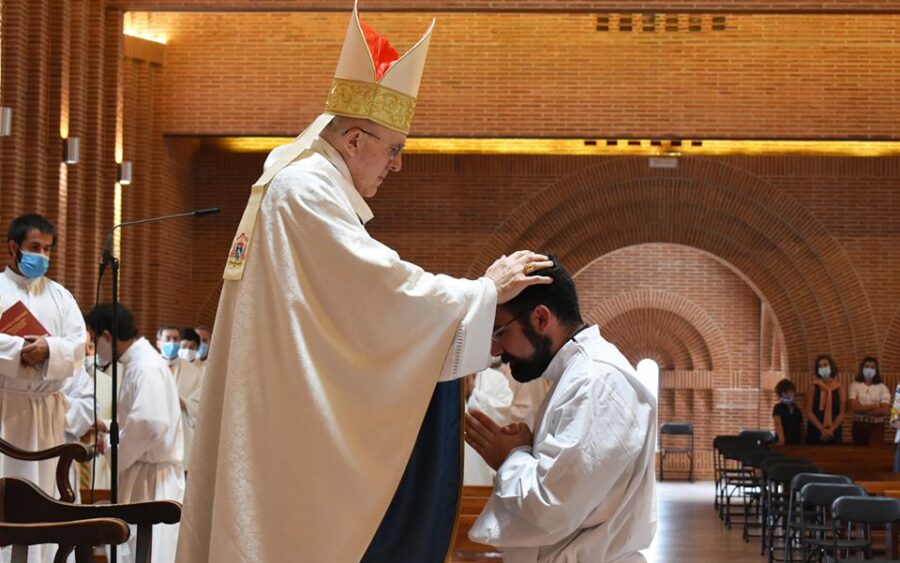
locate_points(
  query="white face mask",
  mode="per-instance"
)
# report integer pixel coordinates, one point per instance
(825, 372)
(104, 351)
(187, 354)
(869, 373)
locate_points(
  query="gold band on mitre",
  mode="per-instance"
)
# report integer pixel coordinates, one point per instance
(368, 100)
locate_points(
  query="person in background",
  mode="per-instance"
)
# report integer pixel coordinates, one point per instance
(869, 400)
(203, 351)
(895, 423)
(189, 379)
(151, 447)
(786, 416)
(825, 404)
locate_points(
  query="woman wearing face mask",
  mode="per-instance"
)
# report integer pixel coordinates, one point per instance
(786, 416)
(870, 402)
(825, 404)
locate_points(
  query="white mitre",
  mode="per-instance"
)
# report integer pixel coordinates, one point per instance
(370, 82)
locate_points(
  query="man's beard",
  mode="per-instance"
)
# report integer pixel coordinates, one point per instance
(525, 370)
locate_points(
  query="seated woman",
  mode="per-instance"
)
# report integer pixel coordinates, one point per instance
(786, 416)
(825, 404)
(869, 400)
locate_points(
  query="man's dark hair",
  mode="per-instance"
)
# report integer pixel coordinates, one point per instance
(100, 318)
(23, 224)
(859, 375)
(160, 330)
(560, 296)
(190, 334)
(784, 386)
(834, 368)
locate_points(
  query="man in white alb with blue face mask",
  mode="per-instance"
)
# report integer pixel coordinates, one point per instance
(188, 377)
(35, 368)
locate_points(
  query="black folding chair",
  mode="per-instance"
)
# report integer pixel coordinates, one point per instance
(861, 513)
(817, 525)
(796, 522)
(669, 446)
(776, 482)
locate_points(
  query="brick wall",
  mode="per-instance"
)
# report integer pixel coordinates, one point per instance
(60, 62)
(780, 6)
(815, 76)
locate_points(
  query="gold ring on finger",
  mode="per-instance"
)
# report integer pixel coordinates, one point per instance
(528, 268)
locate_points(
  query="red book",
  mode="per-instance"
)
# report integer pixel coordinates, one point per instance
(18, 321)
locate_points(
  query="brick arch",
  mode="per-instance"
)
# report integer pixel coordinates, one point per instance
(889, 354)
(764, 236)
(650, 329)
(650, 351)
(646, 319)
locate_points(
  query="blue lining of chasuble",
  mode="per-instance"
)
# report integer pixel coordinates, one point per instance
(419, 523)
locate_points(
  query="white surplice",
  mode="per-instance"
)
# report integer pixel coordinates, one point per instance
(585, 491)
(492, 394)
(323, 362)
(189, 380)
(151, 442)
(79, 390)
(98, 468)
(32, 404)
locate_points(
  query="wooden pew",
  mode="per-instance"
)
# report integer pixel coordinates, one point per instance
(880, 488)
(857, 462)
(471, 505)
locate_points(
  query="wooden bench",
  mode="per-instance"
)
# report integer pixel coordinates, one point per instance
(472, 503)
(857, 462)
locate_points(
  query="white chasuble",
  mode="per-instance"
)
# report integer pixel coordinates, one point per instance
(323, 361)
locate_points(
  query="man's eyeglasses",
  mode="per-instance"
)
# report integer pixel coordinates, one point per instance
(498, 333)
(395, 149)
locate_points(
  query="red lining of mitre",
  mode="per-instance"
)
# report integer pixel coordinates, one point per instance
(383, 55)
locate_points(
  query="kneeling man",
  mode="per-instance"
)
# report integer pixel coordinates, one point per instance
(581, 487)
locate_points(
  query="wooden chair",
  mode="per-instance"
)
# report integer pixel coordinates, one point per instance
(82, 535)
(67, 453)
(23, 503)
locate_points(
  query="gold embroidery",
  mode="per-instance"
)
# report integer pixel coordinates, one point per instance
(366, 100)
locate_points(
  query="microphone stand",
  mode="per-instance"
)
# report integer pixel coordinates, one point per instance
(109, 260)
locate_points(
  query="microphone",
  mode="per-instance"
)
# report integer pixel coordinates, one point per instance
(108, 242)
(108, 259)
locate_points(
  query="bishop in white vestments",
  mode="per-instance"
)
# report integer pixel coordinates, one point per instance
(581, 487)
(327, 345)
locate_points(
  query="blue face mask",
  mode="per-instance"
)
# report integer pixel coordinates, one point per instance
(787, 400)
(203, 351)
(33, 265)
(170, 349)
